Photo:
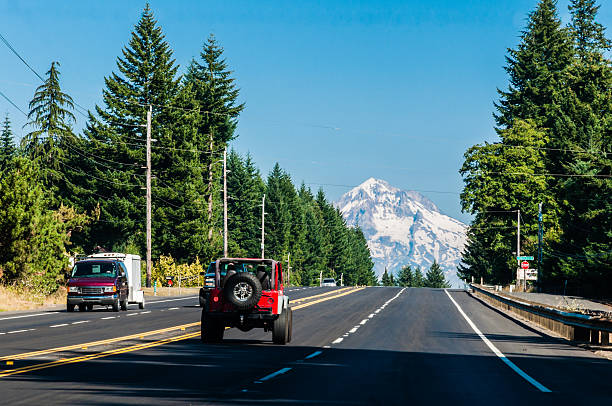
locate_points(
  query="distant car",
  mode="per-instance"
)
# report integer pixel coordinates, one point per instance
(328, 282)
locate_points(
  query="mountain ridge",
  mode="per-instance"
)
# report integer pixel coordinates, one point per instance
(403, 228)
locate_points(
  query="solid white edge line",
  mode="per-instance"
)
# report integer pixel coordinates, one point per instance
(28, 315)
(497, 352)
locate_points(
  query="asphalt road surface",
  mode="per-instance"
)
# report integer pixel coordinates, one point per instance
(350, 346)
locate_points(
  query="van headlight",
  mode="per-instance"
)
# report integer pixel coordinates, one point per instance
(110, 288)
(73, 289)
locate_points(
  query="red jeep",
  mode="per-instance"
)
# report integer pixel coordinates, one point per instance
(248, 293)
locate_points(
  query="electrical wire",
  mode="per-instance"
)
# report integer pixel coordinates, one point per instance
(14, 105)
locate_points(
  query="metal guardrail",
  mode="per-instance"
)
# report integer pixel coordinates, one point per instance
(572, 326)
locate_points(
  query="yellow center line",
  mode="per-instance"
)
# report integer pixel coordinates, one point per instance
(95, 343)
(96, 355)
(132, 348)
(321, 294)
(325, 299)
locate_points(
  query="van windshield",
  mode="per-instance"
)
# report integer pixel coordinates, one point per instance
(94, 269)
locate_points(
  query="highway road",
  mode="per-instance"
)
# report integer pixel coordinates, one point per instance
(350, 346)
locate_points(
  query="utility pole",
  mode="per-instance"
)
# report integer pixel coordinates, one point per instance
(225, 203)
(263, 233)
(288, 268)
(518, 247)
(540, 238)
(149, 265)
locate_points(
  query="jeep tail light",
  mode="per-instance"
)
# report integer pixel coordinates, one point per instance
(270, 300)
(216, 299)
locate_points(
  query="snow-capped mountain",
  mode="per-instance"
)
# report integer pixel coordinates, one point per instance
(404, 227)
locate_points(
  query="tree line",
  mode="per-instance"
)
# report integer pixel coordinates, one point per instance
(554, 123)
(63, 193)
(413, 278)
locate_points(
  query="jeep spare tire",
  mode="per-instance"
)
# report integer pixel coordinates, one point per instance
(243, 290)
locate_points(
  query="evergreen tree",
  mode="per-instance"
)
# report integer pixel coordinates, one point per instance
(245, 188)
(387, 279)
(217, 96)
(32, 237)
(585, 143)
(419, 280)
(536, 70)
(435, 277)
(146, 76)
(405, 277)
(50, 117)
(7, 145)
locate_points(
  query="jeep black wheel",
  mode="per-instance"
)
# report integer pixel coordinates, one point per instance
(281, 328)
(211, 329)
(243, 290)
(69, 307)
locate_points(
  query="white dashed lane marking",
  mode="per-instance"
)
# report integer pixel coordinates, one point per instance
(59, 325)
(80, 322)
(364, 321)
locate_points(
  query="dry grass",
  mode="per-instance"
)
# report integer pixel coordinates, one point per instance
(12, 298)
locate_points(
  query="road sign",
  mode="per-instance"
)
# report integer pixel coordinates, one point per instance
(525, 258)
(525, 265)
(529, 274)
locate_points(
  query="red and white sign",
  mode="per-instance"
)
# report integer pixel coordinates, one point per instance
(525, 265)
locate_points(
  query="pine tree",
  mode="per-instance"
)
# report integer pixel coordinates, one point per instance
(419, 280)
(217, 97)
(536, 70)
(405, 277)
(245, 188)
(146, 76)
(7, 145)
(583, 252)
(435, 277)
(50, 117)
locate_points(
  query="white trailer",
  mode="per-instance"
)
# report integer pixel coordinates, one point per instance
(132, 264)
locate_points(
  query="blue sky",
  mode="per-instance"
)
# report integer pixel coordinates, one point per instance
(335, 91)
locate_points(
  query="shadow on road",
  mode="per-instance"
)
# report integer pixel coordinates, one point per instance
(234, 372)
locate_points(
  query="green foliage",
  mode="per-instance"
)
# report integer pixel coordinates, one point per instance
(189, 274)
(387, 279)
(435, 277)
(554, 124)
(32, 237)
(7, 145)
(50, 115)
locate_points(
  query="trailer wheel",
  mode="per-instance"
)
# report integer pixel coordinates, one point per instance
(69, 308)
(141, 305)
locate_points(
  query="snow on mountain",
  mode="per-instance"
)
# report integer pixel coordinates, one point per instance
(404, 228)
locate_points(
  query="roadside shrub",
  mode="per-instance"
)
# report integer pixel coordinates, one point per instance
(189, 274)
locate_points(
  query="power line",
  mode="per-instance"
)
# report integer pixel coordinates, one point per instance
(560, 175)
(36, 73)
(14, 105)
